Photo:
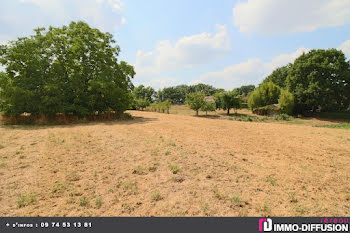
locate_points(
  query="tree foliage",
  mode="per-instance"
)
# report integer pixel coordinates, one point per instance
(244, 90)
(228, 100)
(177, 94)
(279, 76)
(72, 69)
(195, 101)
(286, 102)
(208, 107)
(320, 80)
(266, 94)
(142, 92)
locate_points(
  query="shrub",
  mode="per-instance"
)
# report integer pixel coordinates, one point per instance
(266, 94)
(283, 117)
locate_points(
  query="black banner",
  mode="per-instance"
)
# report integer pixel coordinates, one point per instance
(179, 225)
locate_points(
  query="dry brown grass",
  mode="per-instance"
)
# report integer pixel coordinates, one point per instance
(174, 165)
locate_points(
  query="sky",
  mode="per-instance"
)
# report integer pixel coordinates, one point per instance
(223, 43)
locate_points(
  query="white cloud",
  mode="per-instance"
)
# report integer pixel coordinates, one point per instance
(345, 47)
(187, 52)
(20, 17)
(161, 83)
(250, 72)
(286, 16)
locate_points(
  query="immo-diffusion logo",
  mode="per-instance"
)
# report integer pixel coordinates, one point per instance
(336, 225)
(266, 224)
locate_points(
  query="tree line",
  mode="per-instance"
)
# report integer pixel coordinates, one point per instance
(316, 81)
(75, 70)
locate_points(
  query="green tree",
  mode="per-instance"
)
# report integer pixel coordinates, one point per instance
(208, 106)
(320, 79)
(244, 90)
(142, 103)
(72, 69)
(286, 102)
(142, 92)
(279, 76)
(195, 101)
(229, 100)
(267, 93)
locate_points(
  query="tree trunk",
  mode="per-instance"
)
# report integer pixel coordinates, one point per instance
(206, 113)
(196, 112)
(228, 111)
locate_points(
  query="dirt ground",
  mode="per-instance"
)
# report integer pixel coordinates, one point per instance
(174, 165)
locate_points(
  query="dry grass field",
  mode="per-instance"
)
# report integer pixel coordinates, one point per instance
(174, 165)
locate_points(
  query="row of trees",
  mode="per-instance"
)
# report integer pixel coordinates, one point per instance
(176, 94)
(161, 106)
(70, 70)
(145, 96)
(224, 100)
(317, 80)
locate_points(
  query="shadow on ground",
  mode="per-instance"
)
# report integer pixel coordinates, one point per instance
(135, 120)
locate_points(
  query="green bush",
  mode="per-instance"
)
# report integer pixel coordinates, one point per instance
(266, 94)
(283, 117)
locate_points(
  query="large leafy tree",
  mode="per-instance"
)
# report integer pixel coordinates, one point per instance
(279, 76)
(320, 79)
(142, 92)
(266, 94)
(72, 69)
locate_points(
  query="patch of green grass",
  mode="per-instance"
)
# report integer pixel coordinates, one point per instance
(174, 169)
(301, 210)
(336, 126)
(167, 152)
(98, 202)
(230, 118)
(156, 196)
(218, 194)
(266, 207)
(271, 180)
(292, 198)
(171, 143)
(139, 171)
(26, 199)
(2, 164)
(84, 201)
(161, 138)
(74, 177)
(153, 168)
(235, 199)
(58, 188)
(130, 187)
(295, 122)
(282, 117)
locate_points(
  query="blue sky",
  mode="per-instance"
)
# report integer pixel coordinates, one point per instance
(223, 43)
